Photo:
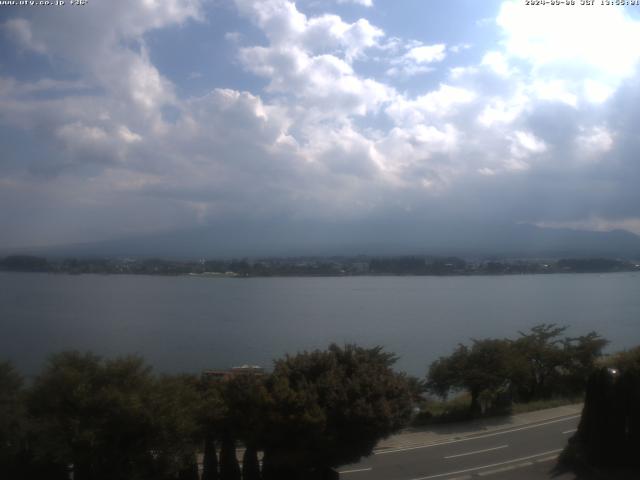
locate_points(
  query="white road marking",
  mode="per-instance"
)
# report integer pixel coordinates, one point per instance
(356, 470)
(502, 432)
(570, 431)
(477, 451)
(488, 466)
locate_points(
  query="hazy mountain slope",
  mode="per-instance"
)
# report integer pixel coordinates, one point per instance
(229, 239)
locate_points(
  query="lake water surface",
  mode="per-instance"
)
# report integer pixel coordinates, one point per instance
(190, 323)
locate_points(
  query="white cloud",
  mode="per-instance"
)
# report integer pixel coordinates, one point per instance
(554, 90)
(597, 92)
(594, 141)
(310, 59)
(526, 143)
(457, 73)
(426, 53)
(499, 111)
(417, 59)
(286, 26)
(437, 103)
(407, 155)
(460, 47)
(112, 54)
(523, 146)
(565, 37)
(325, 82)
(127, 135)
(364, 3)
(497, 62)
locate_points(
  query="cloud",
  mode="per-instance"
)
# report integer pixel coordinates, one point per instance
(418, 59)
(364, 3)
(19, 30)
(497, 62)
(596, 224)
(594, 141)
(564, 41)
(437, 103)
(325, 82)
(313, 128)
(525, 143)
(105, 56)
(426, 53)
(312, 57)
(285, 26)
(568, 36)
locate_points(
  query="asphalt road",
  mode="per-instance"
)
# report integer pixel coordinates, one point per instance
(477, 455)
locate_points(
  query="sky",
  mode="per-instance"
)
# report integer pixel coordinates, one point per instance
(126, 118)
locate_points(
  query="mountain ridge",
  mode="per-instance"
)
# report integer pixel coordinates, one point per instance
(263, 239)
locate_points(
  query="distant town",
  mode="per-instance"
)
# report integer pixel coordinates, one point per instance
(315, 266)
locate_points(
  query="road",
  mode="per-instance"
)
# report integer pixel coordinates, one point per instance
(470, 456)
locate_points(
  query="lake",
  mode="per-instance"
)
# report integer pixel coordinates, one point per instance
(190, 323)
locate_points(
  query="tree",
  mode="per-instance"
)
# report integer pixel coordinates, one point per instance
(189, 469)
(210, 459)
(626, 360)
(175, 406)
(111, 419)
(93, 414)
(25, 263)
(246, 399)
(229, 468)
(581, 354)
(482, 369)
(417, 389)
(540, 355)
(537, 364)
(13, 421)
(328, 408)
(250, 464)
(212, 415)
(609, 429)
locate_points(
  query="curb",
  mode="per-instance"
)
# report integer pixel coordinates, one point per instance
(469, 435)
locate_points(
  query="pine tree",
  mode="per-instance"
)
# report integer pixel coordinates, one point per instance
(190, 469)
(229, 468)
(210, 461)
(250, 464)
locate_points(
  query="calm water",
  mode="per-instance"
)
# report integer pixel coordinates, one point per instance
(188, 324)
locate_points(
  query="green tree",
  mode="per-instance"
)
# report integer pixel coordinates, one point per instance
(93, 414)
(246, 400)
(540, 355)
(178, 433)
(250, 464)
(331, 407)
(482, 369)
(210, 459)
(609, 430)
(625, 360)
(213, 417)
(189, 468)
(13, 421)
(229, 468)
(582, 354)
(112, 419)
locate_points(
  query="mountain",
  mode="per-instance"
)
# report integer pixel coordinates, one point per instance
(389, 237)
